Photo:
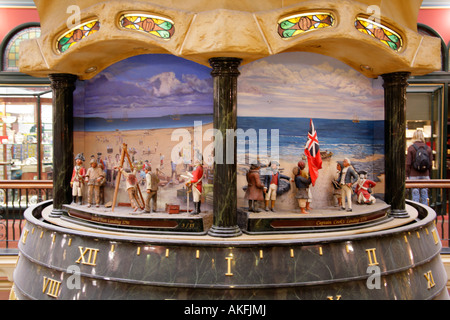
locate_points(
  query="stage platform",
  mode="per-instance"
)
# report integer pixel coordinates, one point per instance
(317, 220)
(125, 219)
(263, 222)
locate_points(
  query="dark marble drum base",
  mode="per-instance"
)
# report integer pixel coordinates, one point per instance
(401, 262)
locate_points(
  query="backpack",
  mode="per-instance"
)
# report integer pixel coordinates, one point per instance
(422, 160)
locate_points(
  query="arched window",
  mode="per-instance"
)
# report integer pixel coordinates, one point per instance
(426, 30)
(10, 46)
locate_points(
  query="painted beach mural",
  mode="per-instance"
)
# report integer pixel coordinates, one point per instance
(161, 107)
(286, 91)
(154, 104)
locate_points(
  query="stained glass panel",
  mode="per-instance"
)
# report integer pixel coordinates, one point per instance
(157, 26)
(298, 24)
(11, 53)
(380, 32)
(77, 34)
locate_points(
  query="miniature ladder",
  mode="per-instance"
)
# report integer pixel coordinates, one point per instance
(140, 198)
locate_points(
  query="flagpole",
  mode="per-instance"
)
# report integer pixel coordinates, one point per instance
(312, 152)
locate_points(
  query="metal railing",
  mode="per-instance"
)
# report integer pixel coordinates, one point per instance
(15, 197)
(438, 199)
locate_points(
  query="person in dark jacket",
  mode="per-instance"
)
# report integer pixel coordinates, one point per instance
(302, 182)
(418, 195)
(255, 188)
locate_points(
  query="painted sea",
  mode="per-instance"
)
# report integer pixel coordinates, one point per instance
(144, 123)
(355, 139)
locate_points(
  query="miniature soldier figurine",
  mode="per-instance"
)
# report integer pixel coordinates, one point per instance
(362, 189)
(196, 183)
(346, 182)
(131, 183)
(272, 183)
(102, 166)
(336, 185)
(152, 181)
(302, 182)
(255, 189)
(77, 181)
(94, 178)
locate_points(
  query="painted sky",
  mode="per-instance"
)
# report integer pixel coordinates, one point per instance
(307, 85)
(298, 84)
(146, 86)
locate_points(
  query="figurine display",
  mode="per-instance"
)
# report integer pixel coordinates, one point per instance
(102, 166)
(196, 184)
(131, 182)
(337, 193)
(94, 178)
(363, 189)
(77, 180)
(347, 178)
(152, 181)
(272, 183)
(255, 188)
(132, 185)
(302, 182)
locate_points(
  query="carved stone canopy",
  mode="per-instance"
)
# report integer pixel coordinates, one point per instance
(198, 30)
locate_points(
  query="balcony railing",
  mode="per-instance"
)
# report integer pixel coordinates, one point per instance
(438, 198)
(15, 197)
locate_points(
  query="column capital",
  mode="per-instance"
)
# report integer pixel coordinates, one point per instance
(62, 80)
(395, 79)
(225, 66)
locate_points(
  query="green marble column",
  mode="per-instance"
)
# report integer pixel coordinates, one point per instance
(63, 86)
(225, 72)
(395, 141)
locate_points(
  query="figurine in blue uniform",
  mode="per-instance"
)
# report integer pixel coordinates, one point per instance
(347, 178)
(272, 183)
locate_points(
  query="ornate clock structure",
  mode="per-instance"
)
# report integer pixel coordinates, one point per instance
(387, 251)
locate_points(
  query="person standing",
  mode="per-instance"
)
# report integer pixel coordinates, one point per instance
(272, 183)
(77, 181)
(419, 161)
(347, 178)
(152, 181)
(196, 183)
(94, 178)
(302, 182)
(255, 188)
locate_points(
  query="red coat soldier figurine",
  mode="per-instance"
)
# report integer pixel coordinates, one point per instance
(196, 183)
(77, 181)
(362, 189)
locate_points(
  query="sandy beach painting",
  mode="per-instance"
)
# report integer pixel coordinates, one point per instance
(141, 102)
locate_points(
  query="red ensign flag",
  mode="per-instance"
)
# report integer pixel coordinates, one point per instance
(312, 152)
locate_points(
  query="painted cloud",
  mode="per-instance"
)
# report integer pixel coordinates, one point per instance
(307, 85)
(141, 87)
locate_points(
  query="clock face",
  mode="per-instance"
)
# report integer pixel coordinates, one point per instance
(58, 263)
